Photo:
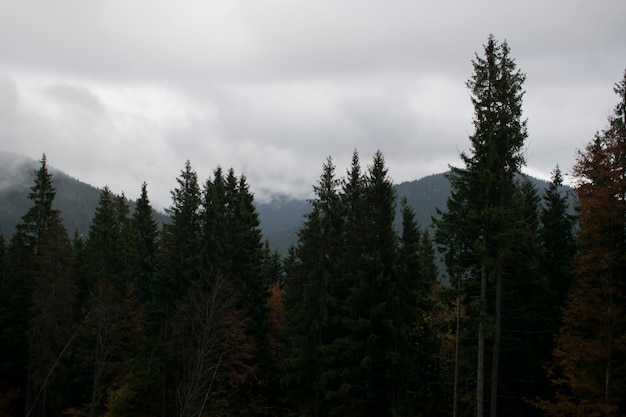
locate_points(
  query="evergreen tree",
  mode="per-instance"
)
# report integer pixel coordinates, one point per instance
(52, 321)
(313, 296)
(36, 220)
(366, 340)
(109, 334)
(414, 352)
(524, 309)
(558, 242)
(482, 193)
(21, 269)
(180, 259)
(246, 276)
(216, 224)
(179, 265)
(146, 232)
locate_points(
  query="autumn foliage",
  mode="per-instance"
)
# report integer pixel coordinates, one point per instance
(589, 369)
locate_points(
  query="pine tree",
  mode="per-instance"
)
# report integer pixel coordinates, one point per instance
(482, 195)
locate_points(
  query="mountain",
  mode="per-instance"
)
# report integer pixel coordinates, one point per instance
(280, 218)
(76, 200)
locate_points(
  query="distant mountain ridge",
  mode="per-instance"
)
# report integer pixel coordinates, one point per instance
(280, 218)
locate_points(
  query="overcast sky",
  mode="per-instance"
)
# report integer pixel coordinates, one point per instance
(117, 92)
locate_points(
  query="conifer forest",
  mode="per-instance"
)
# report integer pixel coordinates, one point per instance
(507, 305)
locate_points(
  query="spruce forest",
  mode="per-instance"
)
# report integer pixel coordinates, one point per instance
(507, 306)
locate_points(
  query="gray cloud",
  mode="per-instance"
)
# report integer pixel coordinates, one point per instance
(118, 92)
(79, 98)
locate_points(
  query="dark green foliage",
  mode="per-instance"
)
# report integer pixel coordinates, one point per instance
(108, 332)
(478, 231)
(52, 320)
(357, 302)
(22, 270)
(144, 242)
(179, 265)
(182, 236)
(311, 296)
(557, 239)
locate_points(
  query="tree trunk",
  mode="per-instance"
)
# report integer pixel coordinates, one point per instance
(457, 356)
(609, 348)
(480, 368)
(496, 347)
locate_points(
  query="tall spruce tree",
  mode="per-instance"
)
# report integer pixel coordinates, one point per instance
(482, 193)
(145, 240)
(246, 278)
(313, 295)
(21, 269)
(179, 265)
(108, 331)
(365, 343)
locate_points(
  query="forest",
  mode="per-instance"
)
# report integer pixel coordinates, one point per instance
(508, 305)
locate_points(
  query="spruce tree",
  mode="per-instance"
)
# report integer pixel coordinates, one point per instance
(558, 241)
(179, 265)
(108, 331)
(364, 346)
(313, 296)
(145, 235)
(180, 258)
(482, 194)
(39, 216)
(52, 321)
(21, 269)
(247, 277)
(413, 361)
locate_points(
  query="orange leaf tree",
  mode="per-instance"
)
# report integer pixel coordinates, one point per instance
(589, 369)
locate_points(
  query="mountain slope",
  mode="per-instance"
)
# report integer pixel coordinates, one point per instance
(280, 218)
(76, 200)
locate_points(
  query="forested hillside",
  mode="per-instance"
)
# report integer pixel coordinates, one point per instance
(198, 315)
(280, 218)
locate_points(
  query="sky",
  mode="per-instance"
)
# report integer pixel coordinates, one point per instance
(118, 92)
